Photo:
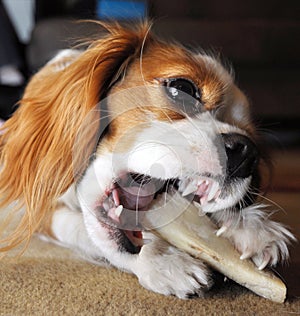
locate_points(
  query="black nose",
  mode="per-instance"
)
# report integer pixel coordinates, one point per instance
(242, 155)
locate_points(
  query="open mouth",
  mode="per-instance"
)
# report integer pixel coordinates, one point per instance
(133, 194)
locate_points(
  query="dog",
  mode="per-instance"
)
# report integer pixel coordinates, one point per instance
(101, 134)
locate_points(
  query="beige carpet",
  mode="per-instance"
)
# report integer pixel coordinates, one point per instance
(49, 280)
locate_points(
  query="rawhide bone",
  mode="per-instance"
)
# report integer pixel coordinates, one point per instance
(194, 233)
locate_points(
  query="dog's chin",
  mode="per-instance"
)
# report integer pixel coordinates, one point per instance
(123, 207)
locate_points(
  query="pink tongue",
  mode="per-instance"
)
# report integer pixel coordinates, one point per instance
(137, 198)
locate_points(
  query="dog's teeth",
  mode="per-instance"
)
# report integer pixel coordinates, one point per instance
(221, 231)
(113, 215)
(191, 188)
(213, 190)
(119, 210)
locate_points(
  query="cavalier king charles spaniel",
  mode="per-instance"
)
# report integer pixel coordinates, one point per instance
(100, 133)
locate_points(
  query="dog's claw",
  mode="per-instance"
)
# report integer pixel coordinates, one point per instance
(119, 210)
(263, 265)
(221, 231)
(246, 255)
(265, 262)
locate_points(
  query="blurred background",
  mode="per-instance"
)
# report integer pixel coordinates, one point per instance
(260, 39)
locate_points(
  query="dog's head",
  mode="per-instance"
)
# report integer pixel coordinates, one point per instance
(126, 120)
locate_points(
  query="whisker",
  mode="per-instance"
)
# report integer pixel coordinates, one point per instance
(270, 201)
(142, 51)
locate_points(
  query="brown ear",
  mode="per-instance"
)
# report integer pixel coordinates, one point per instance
(37, 142)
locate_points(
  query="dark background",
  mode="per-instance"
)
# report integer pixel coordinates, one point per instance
(259, 39)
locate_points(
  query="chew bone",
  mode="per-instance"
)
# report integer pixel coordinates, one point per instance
(194, 233)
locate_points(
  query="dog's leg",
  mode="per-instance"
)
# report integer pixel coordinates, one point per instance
(255, 235)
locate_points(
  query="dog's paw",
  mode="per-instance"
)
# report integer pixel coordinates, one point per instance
(258, 238)
(166, 270)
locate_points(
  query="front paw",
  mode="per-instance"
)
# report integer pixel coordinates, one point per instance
(258, 238)
(172, 272)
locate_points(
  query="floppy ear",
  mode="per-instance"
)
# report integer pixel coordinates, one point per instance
(37, 142)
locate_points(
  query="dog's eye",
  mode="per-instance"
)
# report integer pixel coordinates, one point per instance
(184, 93)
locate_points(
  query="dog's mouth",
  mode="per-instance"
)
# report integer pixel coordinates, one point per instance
(132, 194)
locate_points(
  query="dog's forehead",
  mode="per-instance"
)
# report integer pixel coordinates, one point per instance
(171, 61)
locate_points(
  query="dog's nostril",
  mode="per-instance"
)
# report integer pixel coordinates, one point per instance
(242, 155)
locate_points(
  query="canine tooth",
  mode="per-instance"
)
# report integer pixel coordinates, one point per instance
(119, 210)
(221, 231)
(213, 190)
(191, 188)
